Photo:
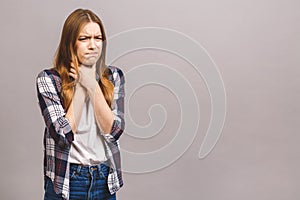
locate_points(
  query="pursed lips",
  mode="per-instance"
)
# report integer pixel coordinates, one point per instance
(92, 54)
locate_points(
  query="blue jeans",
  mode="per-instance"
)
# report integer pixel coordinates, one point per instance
(86, 183)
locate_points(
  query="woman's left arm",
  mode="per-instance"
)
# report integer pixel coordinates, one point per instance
(117, 107)
(110, 120)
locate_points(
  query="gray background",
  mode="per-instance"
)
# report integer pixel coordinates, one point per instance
(255, 45)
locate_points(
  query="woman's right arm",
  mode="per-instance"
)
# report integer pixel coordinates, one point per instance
(61, 125)
(75, 110)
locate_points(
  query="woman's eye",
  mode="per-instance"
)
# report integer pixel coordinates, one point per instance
(82, 39)
(98, 38)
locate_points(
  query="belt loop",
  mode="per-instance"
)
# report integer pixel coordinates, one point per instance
(78, 169)
(100, 168)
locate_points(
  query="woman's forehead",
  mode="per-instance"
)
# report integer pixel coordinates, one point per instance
(91, 28)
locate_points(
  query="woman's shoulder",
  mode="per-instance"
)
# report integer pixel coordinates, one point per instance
(115, 70)
(117, 75)
(49, 72)
(49, 76)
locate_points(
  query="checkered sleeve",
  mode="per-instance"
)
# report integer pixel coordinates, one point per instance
(115, 180)
(52, 110)
(117, 104)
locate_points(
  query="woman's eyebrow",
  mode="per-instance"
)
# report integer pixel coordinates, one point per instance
(89, 36)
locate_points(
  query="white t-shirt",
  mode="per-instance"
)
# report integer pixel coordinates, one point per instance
(87, 147)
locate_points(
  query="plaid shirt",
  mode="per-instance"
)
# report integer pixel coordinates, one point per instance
(58, 134)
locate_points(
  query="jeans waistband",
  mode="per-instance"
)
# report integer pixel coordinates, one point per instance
(89, 168)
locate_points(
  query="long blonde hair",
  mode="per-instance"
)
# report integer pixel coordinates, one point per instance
(66, 54)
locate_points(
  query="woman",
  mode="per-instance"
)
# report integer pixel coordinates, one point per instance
(82, 103)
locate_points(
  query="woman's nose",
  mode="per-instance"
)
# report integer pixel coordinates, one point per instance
(92, 44)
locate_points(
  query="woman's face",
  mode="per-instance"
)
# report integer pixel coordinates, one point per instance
(89, 44)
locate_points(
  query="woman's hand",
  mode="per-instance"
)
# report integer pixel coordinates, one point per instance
(87, 77)
(73, 74)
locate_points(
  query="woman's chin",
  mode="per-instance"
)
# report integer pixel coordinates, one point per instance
(89, 63)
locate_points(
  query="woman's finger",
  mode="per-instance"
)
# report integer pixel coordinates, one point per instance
(72, 70)
(73, 75)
